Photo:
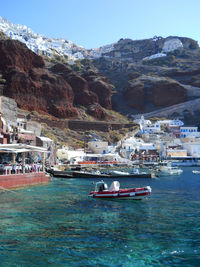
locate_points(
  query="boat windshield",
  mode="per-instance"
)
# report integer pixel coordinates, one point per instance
(101, 186)
(114, 186)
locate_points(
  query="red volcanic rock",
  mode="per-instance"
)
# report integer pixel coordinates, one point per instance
(100, 85)
(154, 90)
(31, 85)
(46, 93)
(79, 85)
(56, 91)
(15, 54)
(91, 90)
(80, 88)
(97, 111)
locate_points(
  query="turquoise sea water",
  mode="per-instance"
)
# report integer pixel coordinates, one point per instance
(58, 225)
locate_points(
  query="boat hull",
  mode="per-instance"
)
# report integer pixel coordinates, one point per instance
(62, 174)
(94, 175)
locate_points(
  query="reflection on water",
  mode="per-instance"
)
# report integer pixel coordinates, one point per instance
(58, 225)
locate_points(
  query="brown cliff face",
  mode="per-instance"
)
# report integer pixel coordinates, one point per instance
(31, 85)
(91, 90)
(100, 86)
(126, 61)
(158, 91)
(16, 54)
(79, 85)
(57, 91)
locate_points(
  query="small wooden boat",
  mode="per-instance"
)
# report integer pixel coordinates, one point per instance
(114, 192)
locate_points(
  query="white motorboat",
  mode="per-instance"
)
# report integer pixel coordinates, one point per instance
(196, 172)
(165, 168)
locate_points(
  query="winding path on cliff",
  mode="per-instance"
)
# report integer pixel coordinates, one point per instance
(191, 105)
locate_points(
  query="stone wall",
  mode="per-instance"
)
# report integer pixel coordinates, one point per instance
(96, 126)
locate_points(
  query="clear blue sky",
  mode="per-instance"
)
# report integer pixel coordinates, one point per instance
(92, 23)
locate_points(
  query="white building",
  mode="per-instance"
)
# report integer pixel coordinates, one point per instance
(131, 145)
(64, 154)
(186, 132)
(193, 148)
(98, 147)
(171, 123)
(146, 126)
(150, 129)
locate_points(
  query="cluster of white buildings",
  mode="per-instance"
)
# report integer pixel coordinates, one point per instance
(163, 139)
(50, 46)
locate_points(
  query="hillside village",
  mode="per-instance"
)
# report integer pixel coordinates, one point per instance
(153, 142)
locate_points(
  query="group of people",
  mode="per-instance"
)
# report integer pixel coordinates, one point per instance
(17, 168)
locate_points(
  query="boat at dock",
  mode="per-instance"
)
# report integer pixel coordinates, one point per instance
(61, 174)
(100, 173)
(112, 174)
(102, 191)
(196, 172)
(166, 168)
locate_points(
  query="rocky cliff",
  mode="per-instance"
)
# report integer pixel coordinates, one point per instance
(51, 88)
(153, 73)
(147, 75)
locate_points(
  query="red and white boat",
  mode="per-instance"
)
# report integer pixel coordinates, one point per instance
(114, 191)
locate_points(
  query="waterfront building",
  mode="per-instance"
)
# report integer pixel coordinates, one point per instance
(137, 149)
(193, 148)
(17, 172)
(174, 153)
(64, 154)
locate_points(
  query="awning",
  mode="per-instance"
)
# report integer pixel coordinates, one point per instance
(19, 148)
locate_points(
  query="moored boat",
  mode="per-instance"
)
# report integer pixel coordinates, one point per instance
(166, 168)
(196, 172)
(114, 192)
(112, 174)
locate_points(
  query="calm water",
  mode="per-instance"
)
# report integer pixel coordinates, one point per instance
(58, 225)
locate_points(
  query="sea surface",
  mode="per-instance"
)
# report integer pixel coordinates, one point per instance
(58, 225)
